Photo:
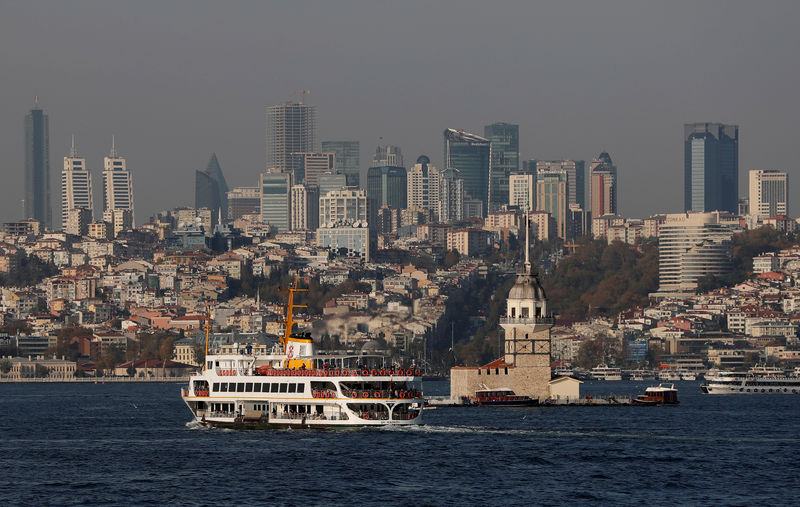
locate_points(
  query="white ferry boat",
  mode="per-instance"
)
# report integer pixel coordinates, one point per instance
(291, 386)
(604, 372)
(730, 382)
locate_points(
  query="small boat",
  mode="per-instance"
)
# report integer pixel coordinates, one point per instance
(503, 396)
(663, 394)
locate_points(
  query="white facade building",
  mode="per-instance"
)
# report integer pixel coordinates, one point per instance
(76, 185)
(345, 206)
(117, 184)
(522, 191)
(769, 194)
(423, 185)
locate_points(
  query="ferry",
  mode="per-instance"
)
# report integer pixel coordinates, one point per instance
(291, 386)
(752, 382)
(604, 372)
(662, 394)
(503, 396)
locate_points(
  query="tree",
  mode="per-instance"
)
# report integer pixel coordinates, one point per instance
(5, 365)
(131, 371)
(41, 371)
(451, 258)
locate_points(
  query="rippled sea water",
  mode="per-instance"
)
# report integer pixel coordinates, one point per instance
(131, 444)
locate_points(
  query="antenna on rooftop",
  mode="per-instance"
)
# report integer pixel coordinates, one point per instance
(303, 94)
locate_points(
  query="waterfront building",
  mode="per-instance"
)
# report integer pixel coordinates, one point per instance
(769, 193)
(275, 198)
(38, 201)
(711, 167)
(304, 214)
(693, 245)
(308, 167)
(522, 190)
(243, 201)
(525, 365)
(211, 190)
(348, 159)
(505, 161)
(552, 195)
(575, 170)
(451, 197)
(291, 128)
(345, 206)
(472, 156)
(424, 181)
(76, 185)
(117, 183)
(603, 184)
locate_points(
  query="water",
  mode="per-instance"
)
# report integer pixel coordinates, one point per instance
(131, 444)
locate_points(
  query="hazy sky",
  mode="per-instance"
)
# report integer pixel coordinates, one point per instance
(175, 81)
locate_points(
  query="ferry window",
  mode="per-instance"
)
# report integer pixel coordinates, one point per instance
(240, 387)
(301, 388)
(209, 365)
(292, 388)
(283, 387)
(224, 387)
(216, 364)
(248, 387)
(257, 387)
(216, 387)
(274, 388)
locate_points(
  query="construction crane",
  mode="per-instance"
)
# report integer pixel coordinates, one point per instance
(302, 94)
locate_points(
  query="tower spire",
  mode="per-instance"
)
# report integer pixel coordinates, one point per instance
(527, 242)
(72, 151)
(36, 102)
(113, 153)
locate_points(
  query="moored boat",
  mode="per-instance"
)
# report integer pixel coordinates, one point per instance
(604, 372)
(662, 394)
(752, 382)
(503, 396)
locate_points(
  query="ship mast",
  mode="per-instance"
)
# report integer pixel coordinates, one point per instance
(290, 306)
(208, 332)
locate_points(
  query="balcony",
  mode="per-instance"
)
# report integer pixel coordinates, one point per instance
(528, 321)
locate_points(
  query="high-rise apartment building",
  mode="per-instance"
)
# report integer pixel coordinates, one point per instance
(76, 185)
(117, 183)
(505, 161)
(347, 206)
(348, 159)
(38, 201)
(575, 170)
(308, 167)
(243, 201)
(769, 193)
(552, 195)
(522, 190)
(211, 190)
(451, 197)
(424, 181)
(472, 156)
(603, 183)
(291, 128)
(275, 199)
(693, 245)
(388, 155)
(711, 167)
(304, 214)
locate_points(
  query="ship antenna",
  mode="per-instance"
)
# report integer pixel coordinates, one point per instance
(208, 332)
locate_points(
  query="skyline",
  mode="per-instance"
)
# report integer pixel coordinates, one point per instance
(624, 82)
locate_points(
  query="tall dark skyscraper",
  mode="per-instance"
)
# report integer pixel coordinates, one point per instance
(210, 188)
(386, 186)
(711, 167)
(472, 156)
(505, 160)
(348, 159)
(38, 201)
(291, 128)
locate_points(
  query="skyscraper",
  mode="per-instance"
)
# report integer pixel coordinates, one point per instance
(522, 190)
(304, 214)
(275, 191)
(38, 201)
(711, 167)
(243, 201)
(117, 183)
(388, 155)
(769, 194)
(603, 177)
(472, 156)
(291, 128)
(451, 197)
(348, 159)
(505, 161)
(386, 186)
(307, 167)
(575, 170)
(211, 190)
(552, 195)
(76, 185)
(423, 185)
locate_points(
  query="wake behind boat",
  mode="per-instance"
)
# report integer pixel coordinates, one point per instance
(291, 386)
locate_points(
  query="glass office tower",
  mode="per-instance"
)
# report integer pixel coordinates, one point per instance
(348, 159)
(505, 161)
(711, 167)
(472, 156)
(38, 201)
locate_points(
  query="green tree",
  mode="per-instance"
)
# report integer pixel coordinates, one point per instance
(451, 258)
(5, 365)
(41, 371)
